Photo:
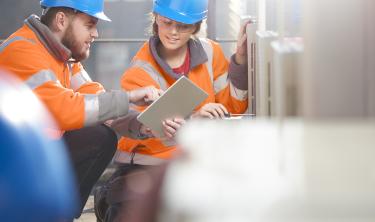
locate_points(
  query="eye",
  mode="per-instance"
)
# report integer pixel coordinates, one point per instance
(90, 25)
(167, 22)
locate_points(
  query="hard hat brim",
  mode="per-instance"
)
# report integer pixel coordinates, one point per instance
(101, 16)
(178, 17)
(97, 13)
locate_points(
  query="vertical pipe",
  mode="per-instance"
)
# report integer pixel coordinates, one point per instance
(211, 20)
(370, 57)
(261, 15)
(281, 18)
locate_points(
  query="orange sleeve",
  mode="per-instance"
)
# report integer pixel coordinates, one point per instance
(220, 69)
(88, 87)
(135, 78)
(67, 107)
(25, 59)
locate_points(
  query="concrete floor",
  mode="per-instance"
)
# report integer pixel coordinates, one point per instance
(88, 214)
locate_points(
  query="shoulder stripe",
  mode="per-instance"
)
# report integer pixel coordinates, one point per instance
(11, 40)
(155, 75)
(40, 78)
(207, 46)
(79, 79)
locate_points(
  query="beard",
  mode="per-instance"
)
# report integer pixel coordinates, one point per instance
(70, 41)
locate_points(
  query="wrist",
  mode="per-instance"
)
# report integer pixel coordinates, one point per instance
(240, 59)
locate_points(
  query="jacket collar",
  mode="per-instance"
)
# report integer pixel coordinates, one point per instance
(46, 37)
(197, 55)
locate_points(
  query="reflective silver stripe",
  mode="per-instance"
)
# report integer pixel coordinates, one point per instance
(16, 38)
(40, 78)
(221, 83)
(238, 93)
(209, 51)
(79, 79)
(125, 157)
(91, 109)
(132, 106)
(155, 75)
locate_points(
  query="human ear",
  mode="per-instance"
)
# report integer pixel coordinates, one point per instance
(61, 21)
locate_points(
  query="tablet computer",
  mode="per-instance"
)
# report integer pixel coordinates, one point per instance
(179, 100)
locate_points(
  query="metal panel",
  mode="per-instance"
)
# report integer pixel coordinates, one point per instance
(262, 79)
(370, 57)
(285, 79)
(251, 56)
(211, 19)
(335, 59)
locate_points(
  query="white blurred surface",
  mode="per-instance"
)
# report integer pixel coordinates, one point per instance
(263, 171)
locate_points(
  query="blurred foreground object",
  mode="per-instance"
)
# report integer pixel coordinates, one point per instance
(36, 182)
(298, 171)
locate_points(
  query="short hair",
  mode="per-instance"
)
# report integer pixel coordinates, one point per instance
(49, 14)
(153, 29)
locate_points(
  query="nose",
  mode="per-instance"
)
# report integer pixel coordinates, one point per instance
(174, 29)
(94, 33)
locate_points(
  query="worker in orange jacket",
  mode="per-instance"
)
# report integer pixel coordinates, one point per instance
(174, 51)
(45, 53)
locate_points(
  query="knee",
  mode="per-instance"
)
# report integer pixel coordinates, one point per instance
(109, 135)
(107, 138)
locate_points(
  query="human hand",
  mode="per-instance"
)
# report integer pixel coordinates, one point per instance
(145, 131)
(144, 96)
(241, 53)
(171, 126)
(212, 111)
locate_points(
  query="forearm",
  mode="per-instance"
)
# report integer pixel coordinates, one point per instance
(128, 126)
(237, 74)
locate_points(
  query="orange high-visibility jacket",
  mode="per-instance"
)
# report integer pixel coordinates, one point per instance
(35, 55)
(225, 83)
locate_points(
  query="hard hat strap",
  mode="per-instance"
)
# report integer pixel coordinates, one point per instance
(45, 10)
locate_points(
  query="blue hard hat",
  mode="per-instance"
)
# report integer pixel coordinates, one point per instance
(184, 11)
(90, 7)
(36, 180)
